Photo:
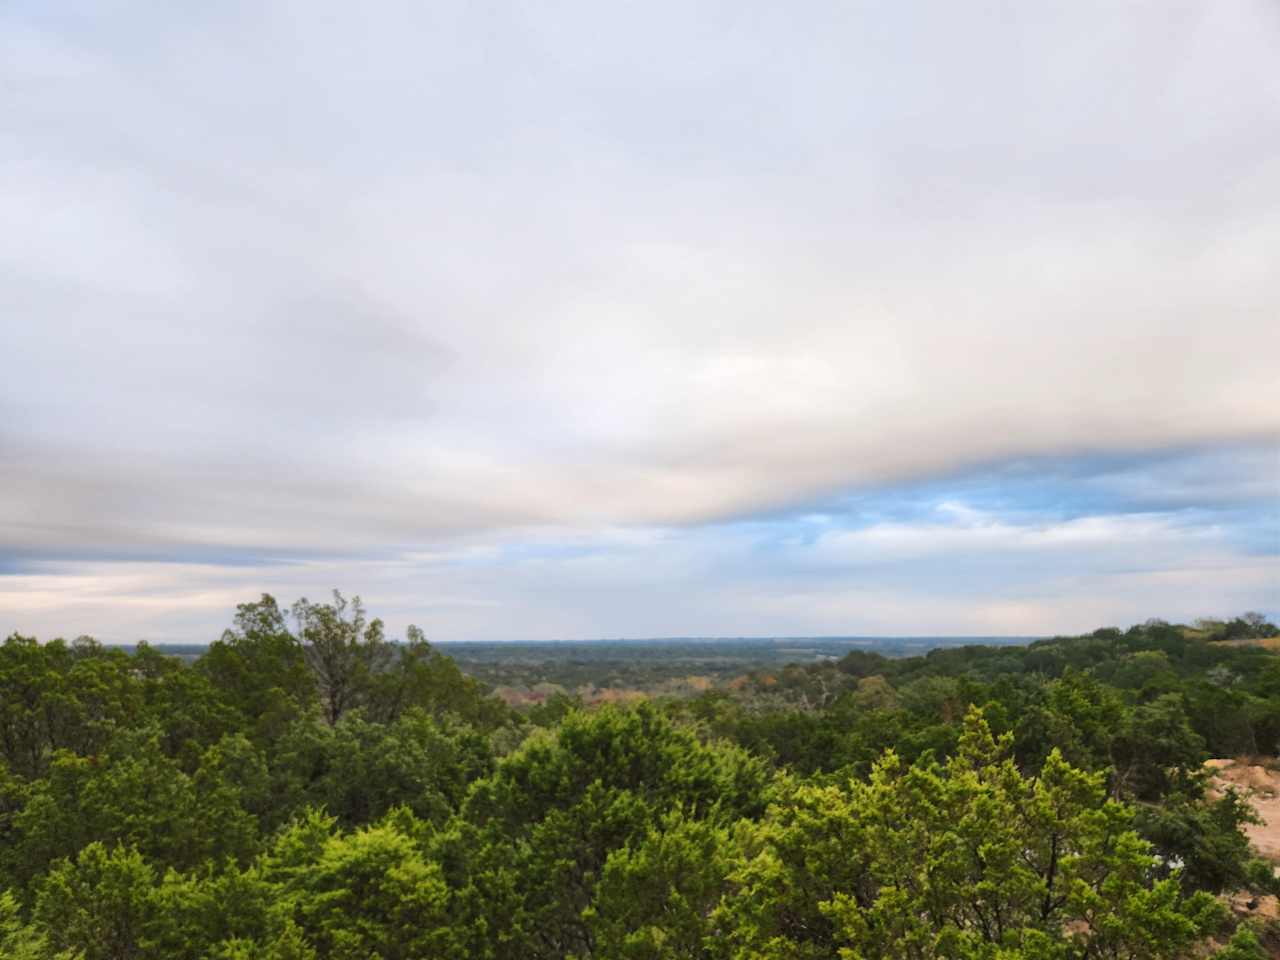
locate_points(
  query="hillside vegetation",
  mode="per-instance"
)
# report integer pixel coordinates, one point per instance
(307, 789)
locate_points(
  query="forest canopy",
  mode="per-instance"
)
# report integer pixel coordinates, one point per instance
(307, 788)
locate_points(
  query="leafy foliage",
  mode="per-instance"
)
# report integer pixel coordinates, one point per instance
(308, 789)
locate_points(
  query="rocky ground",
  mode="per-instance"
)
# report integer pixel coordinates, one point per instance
(1261, 785)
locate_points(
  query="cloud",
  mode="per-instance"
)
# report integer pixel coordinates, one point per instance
(292, 282)
(930, 561)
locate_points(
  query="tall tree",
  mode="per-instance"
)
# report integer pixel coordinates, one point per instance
(344, 650)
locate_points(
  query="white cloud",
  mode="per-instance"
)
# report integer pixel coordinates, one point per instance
(306, 280)
(964, 532)
(961, 572)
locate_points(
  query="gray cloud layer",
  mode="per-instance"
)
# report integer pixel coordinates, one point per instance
(291, 279)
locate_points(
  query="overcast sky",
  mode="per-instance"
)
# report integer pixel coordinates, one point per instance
(580, 319)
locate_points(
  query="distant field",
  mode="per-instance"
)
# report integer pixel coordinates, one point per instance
(762, 649)
(713, 652)
(523, 671)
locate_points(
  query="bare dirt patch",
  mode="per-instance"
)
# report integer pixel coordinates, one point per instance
(1261, 787)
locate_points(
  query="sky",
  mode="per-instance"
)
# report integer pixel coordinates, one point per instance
(573, 320)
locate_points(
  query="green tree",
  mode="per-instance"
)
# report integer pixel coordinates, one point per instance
(57, 696)
(135, 794)
(99, 904)
(1244, 945)
(366, 894)
(183, 704)
(419, 677)
(542, 827)
(259, 668)
(968, 859)
(655, 895)
(198, 914)
(344, 650)
(288, 944)
(1204, 837)
(20, 941)
(358, 771)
